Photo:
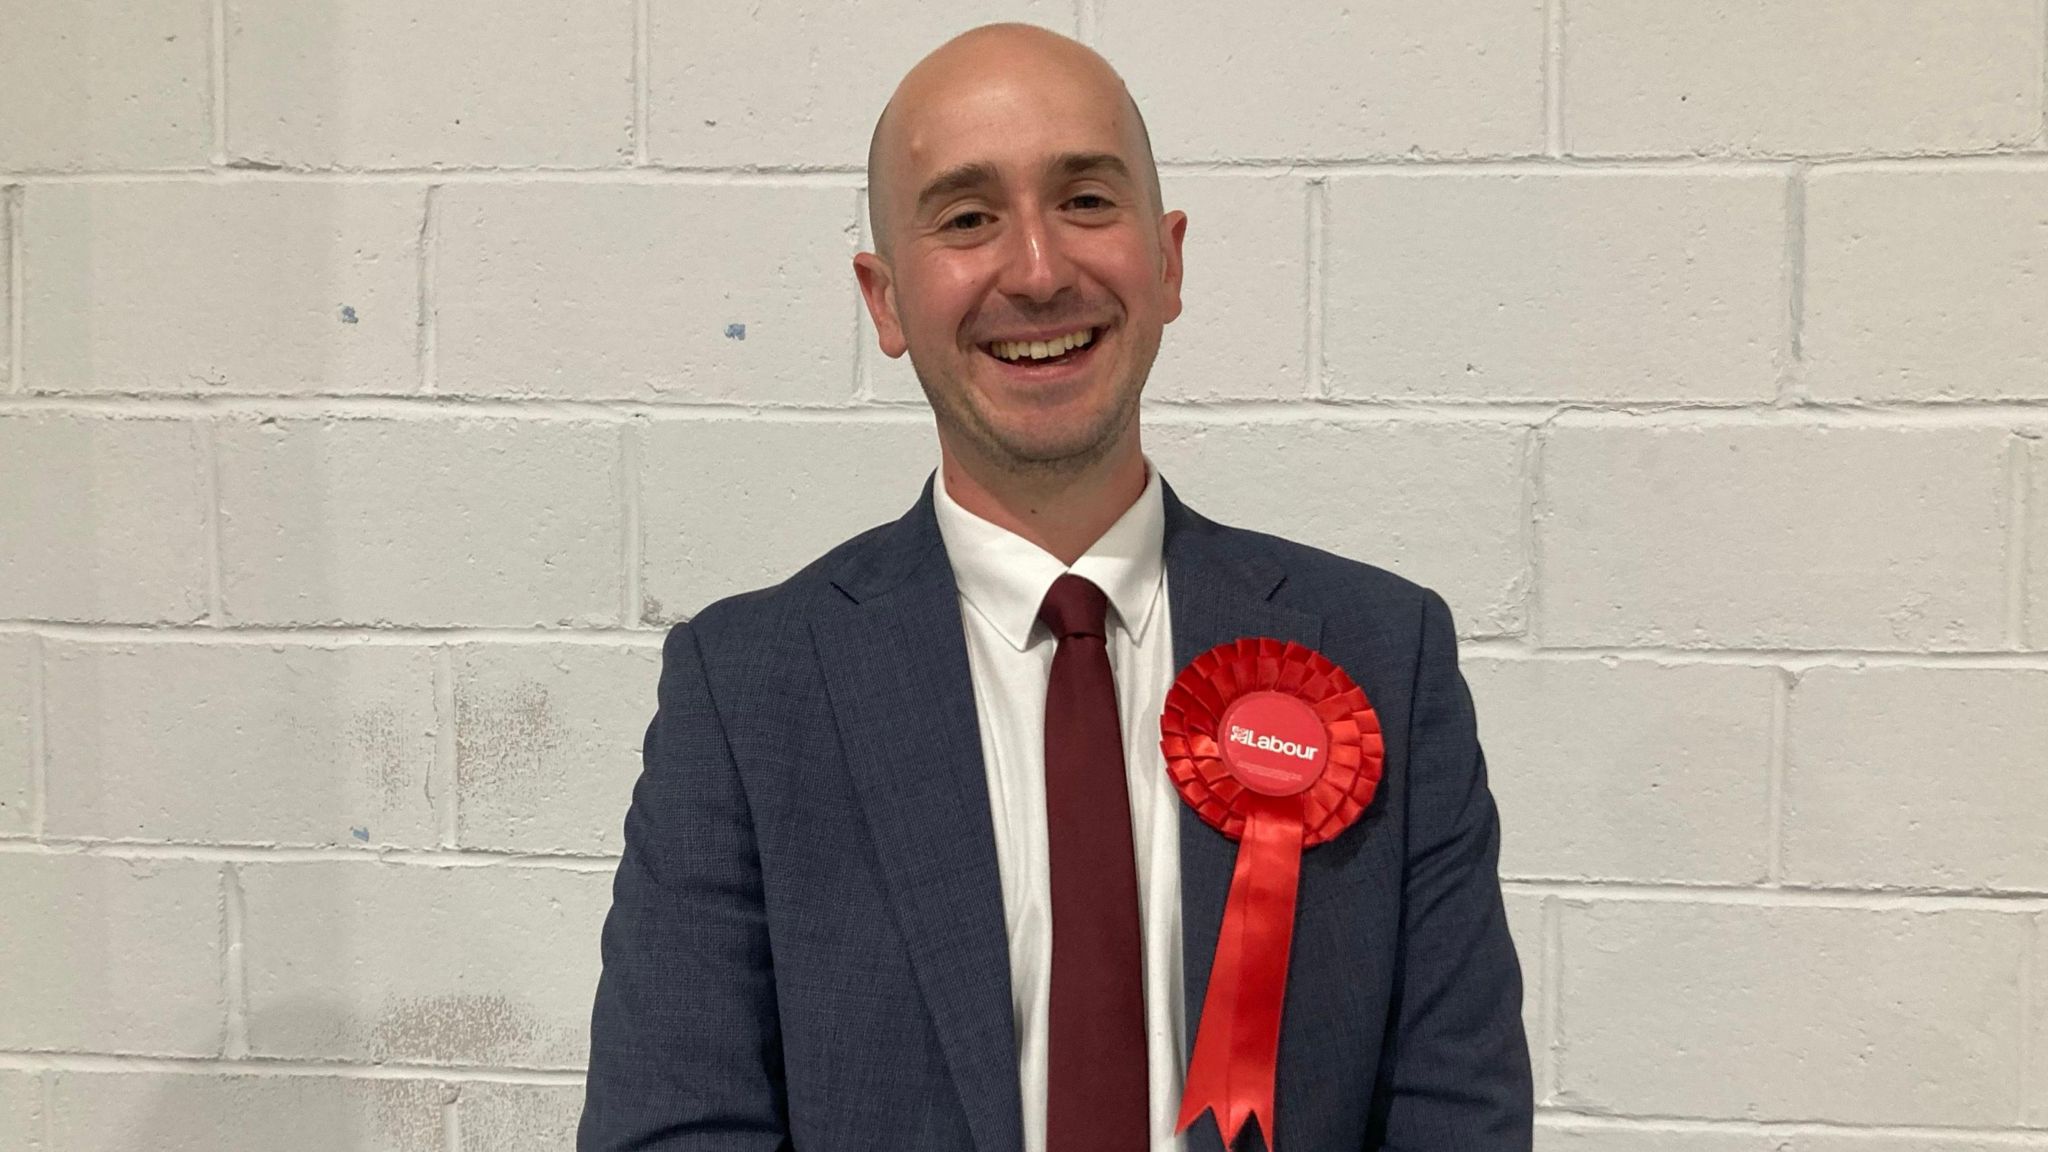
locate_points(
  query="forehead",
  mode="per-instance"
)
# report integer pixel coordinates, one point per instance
(1013, 120)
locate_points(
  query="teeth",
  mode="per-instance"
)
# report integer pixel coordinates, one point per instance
(1041, 349)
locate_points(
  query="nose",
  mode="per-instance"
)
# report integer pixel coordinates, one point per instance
(1035, 265)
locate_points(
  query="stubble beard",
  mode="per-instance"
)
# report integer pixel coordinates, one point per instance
(958, 415)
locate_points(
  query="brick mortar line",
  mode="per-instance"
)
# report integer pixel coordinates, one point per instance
(1087, 22)
(1553, 77)
(216, 853)
(1647, 412)
(40, 1062)
(46, 1093)
(1564, 1117)
(2030, 962)
(426, 351)
(451, 1123)
(332, 636)
(234, 970)
(2017, 158)
(1553, 999)
(643, 55)
(443, 774)
(1531, 533)
(38, 738)
(630, 534)
(1316, 244)
(1786, 896)
(208, 433)
(2018, 542)
(217, 65)
(1774, 781)
(12, 206)
(1792, 387)
(1490, 647)
(2019, 903)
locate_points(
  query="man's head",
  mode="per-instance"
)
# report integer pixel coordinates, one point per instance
(1013, 198)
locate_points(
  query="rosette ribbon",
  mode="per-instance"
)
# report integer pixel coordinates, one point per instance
(1275, 747)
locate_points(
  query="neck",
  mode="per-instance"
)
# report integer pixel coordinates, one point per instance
(1061, 512)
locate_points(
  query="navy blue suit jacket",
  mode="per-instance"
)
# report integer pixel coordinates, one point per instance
(806, 945)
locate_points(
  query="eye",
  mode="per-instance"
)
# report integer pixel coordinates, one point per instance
(1094, 200)
(966, 221)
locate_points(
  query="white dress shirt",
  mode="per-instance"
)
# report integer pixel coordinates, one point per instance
(1003, 578)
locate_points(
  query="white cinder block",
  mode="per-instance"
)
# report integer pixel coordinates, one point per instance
(1784, 535)
(795, 85)
(1525, 924)
(21, 1111)
(1920, 777)
(1437, 503)
(1565, 1133)
(646, 291)
(1242, 325)
(1302, 79)
(547, 743)
(101, 520)
(519, 1117)
(390, 84)
(1927, 284)
(115, 956)
(17, 703)
(1572, 285)
(478, 966)
(248, 286)
(202, 1112)
(1821, 77)
(91, 85)
(1671, 785)
(731, 505)
(249, 744)
(484, 522)
(1848, 1015)
(1243, 293)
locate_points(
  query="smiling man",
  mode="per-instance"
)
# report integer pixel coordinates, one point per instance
(906, 868)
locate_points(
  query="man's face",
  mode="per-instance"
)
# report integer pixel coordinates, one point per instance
(1019, 217)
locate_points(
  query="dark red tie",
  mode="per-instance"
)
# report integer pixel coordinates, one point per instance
(1095, 1047)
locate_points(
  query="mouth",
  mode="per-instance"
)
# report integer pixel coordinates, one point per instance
(1034, 360)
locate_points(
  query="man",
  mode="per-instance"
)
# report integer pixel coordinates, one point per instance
(904, 868)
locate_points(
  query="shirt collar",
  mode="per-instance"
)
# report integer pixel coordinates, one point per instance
(1005, 577)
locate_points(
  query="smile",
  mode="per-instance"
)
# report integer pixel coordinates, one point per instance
(1055, 350)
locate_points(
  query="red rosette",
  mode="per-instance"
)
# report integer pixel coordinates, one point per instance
(1275, 747)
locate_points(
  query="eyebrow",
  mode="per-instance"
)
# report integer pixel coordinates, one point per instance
(978, 173)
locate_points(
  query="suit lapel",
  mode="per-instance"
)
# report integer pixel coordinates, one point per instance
(894, 659)
(1220, 590)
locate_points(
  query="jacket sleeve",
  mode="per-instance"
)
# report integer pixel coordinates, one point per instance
(1455, 1074)
(685, 1052)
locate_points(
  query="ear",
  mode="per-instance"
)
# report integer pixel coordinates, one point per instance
(1173, 229)
(878, 290)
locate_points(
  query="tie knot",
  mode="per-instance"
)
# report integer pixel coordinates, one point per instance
(1074, 607)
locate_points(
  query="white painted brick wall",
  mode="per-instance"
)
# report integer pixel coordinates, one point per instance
(381, 379)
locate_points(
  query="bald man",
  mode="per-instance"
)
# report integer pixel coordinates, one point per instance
(904, 869)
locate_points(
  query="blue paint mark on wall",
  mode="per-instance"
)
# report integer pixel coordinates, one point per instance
(735, 331)
(348, 314)
(360, 833)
